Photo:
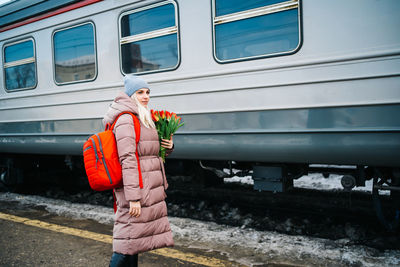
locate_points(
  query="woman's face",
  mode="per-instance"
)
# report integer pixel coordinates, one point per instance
(143, 95)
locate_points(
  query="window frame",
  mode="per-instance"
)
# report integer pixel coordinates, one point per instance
(14, 42)
(143, 8)
(95, 52)
(216, 20)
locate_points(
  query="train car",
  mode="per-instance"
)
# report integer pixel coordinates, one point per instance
(281, 85)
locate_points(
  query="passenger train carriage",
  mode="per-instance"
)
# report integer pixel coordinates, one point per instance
(274, 83)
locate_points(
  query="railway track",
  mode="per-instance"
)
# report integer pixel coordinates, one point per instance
(325, 214)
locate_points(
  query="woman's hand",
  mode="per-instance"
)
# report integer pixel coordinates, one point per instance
(168, 144)
(134, 208)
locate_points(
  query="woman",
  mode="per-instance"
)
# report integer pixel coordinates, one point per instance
(141, 222)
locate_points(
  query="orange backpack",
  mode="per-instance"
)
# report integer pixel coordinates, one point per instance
(100, 156)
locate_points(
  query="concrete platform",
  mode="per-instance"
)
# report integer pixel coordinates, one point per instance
(33, 237)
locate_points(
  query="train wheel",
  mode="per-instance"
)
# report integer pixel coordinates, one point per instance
(387, 207)
(10, 179)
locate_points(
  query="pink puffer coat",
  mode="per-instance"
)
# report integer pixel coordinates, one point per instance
(151, 229)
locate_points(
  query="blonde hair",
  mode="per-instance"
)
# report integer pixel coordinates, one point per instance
(144, 114)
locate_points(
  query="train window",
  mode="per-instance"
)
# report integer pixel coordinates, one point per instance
(19, 65)
(254, 28)
(149, 39)
(75, 54)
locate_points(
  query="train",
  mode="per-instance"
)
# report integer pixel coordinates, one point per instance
(282, 86)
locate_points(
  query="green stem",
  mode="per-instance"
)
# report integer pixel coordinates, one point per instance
(162, 152)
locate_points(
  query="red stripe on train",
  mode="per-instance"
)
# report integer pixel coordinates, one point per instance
(49, 14)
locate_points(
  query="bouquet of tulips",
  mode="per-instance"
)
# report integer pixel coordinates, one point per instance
(167, 123)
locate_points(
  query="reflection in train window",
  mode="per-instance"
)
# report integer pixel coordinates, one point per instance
(74, 54)
(253, 29)
(149, 39)
(19, 65)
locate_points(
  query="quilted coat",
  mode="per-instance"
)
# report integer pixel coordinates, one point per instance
(151, 229)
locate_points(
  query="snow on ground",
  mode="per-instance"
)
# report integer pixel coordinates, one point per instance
(245, 245)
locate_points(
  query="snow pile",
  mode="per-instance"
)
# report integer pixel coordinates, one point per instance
(317, 181)
(310, 181)
(244, 245)
(238, 179)
(242, 180)
(64, 208)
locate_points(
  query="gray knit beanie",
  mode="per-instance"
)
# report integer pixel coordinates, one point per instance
(133, 83)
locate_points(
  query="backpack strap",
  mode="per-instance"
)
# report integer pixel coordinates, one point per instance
(136, 124)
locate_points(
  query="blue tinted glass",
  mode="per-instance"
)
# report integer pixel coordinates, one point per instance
(148, 20)
(74, 54)
(268, 34)
(22, 76)
(18, 51)
(152, 54)
(74, 43)
(223, 7)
